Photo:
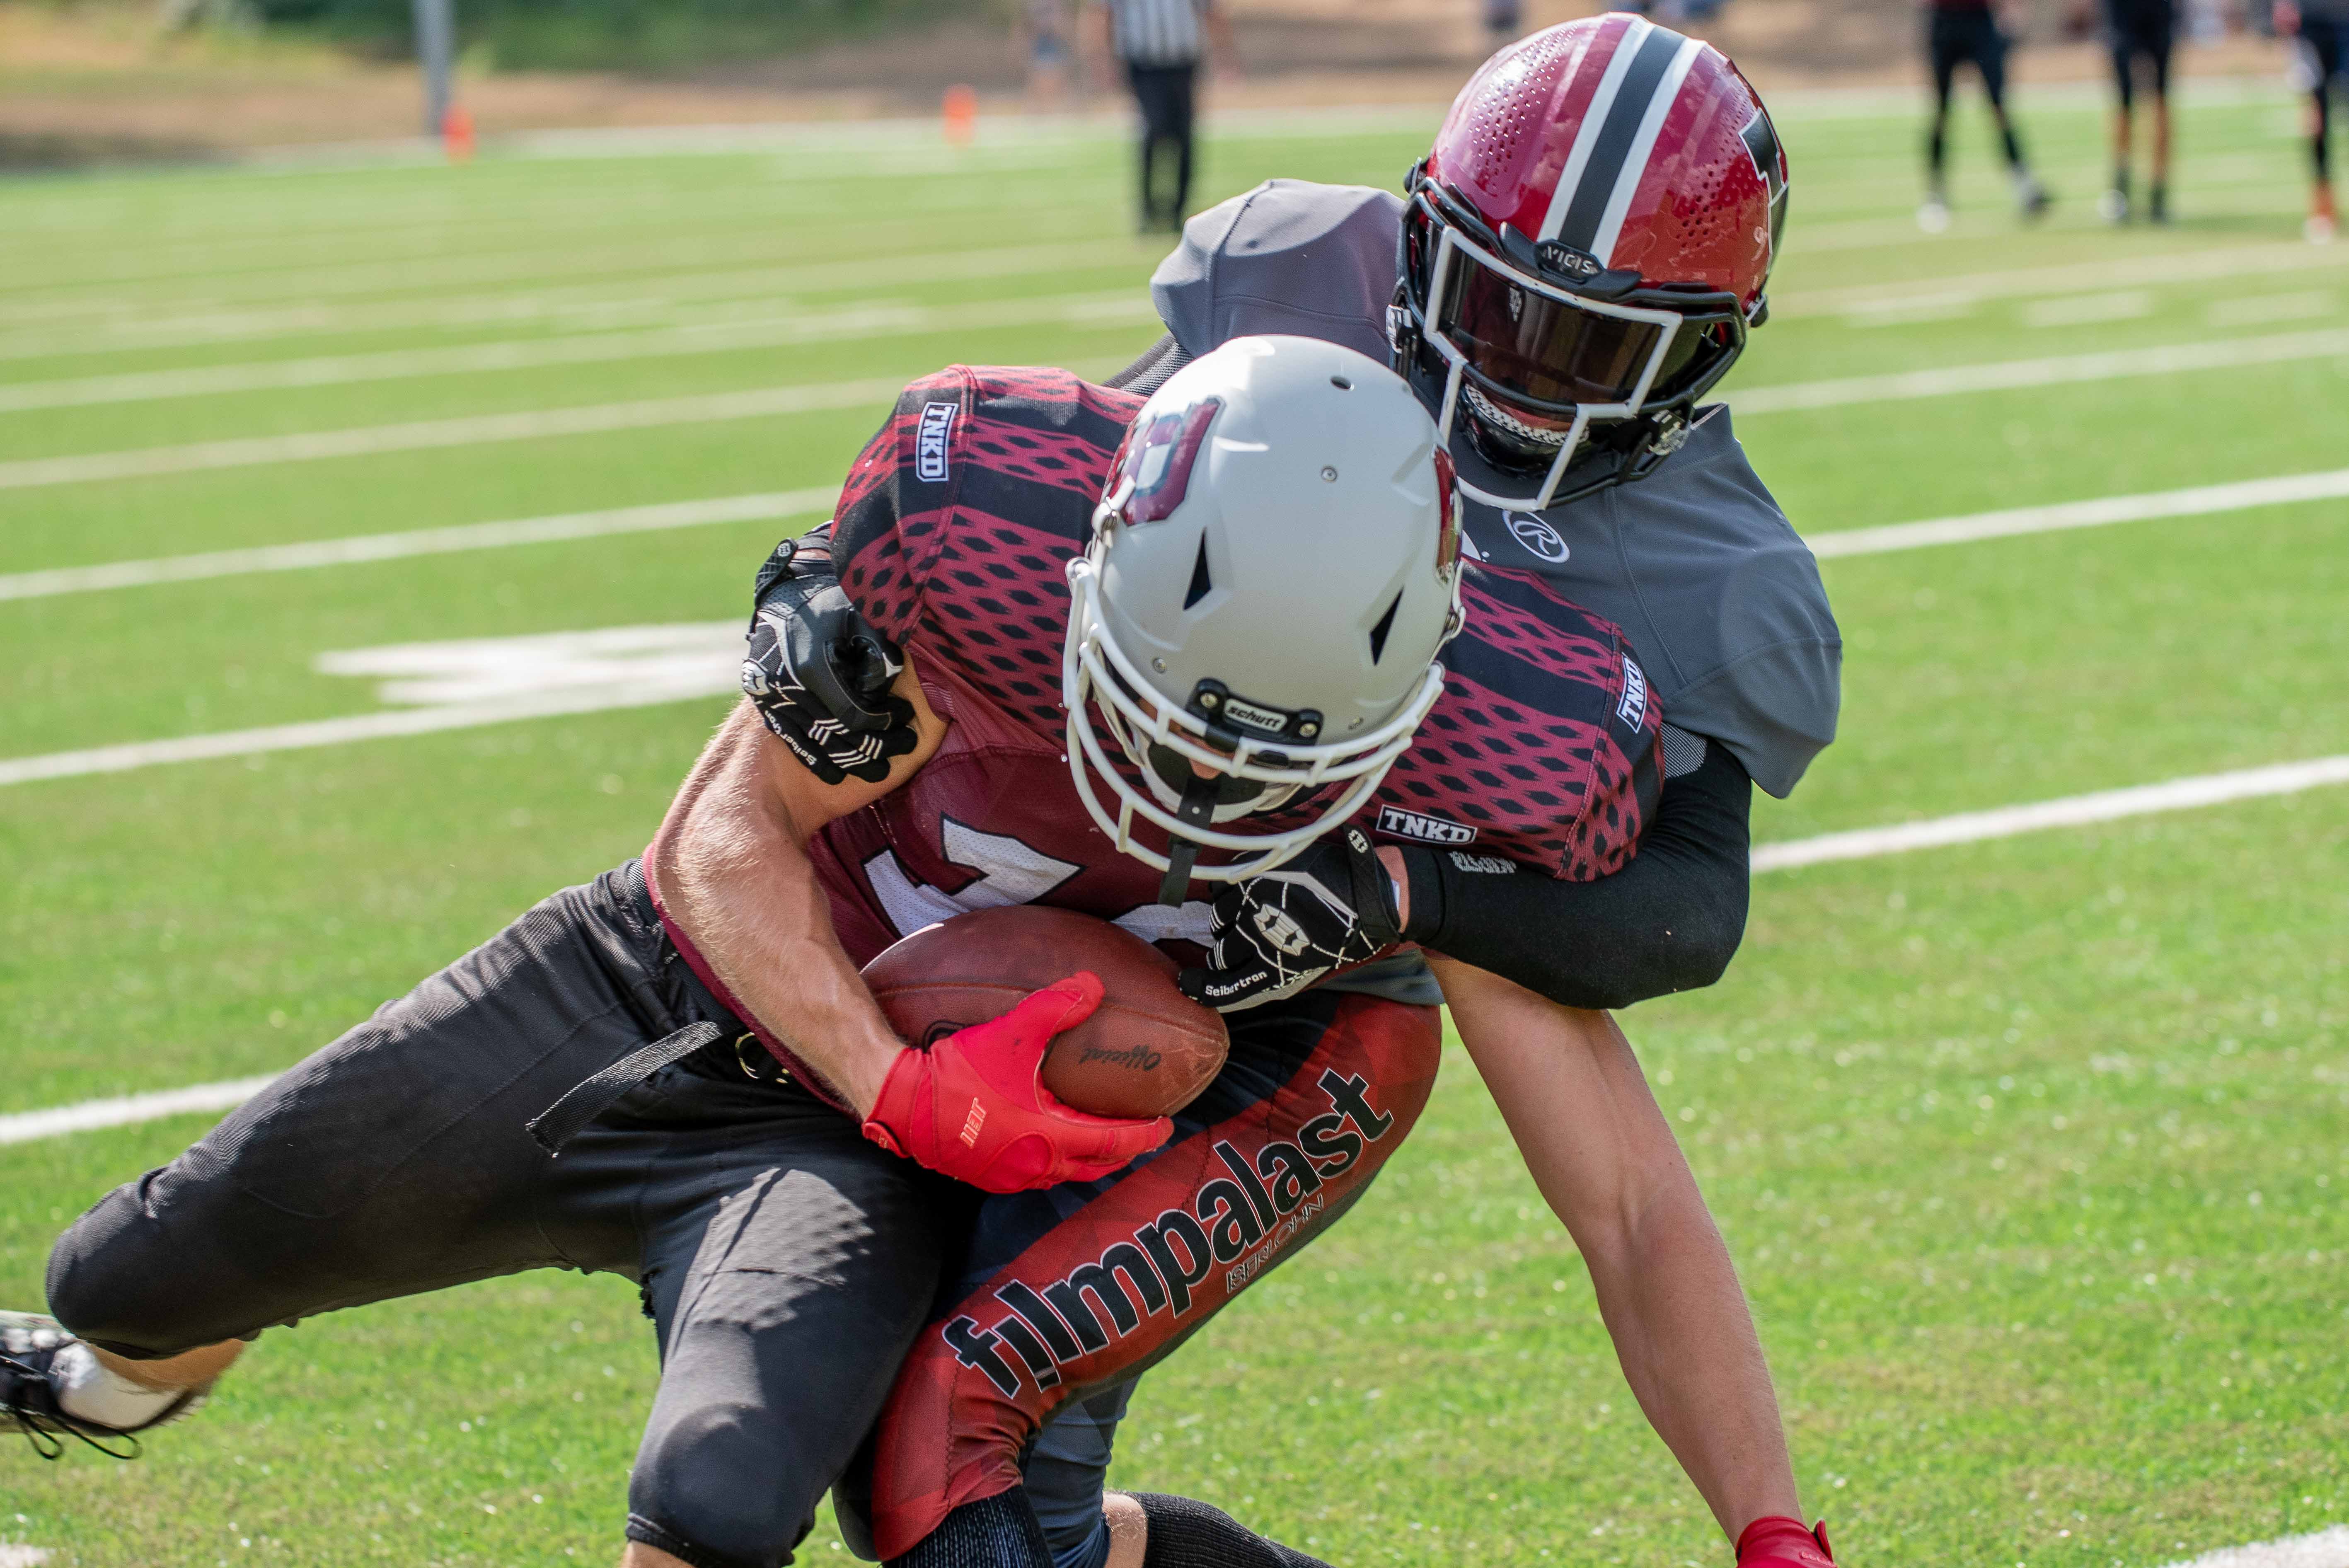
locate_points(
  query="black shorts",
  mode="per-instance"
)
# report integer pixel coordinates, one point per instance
(1955, 37)
(2140, 30)
(2324, 52)
(396, 1161)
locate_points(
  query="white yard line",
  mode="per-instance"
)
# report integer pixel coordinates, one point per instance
(1941, 294)
(2324, 1549)
(132, 755)
(2008, 375)
(368, 439)
(2329, 1549)
(366, 547)
(121, 1111)
(474, 430)
(2104, 806)
(721, 337)
(625, 302)
(2200, 501)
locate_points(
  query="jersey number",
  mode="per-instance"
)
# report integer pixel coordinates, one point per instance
(1009, 872)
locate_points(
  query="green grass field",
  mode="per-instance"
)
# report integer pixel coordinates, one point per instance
(2032, 1151)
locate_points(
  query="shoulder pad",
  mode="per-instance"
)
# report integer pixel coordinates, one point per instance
(1289, 256)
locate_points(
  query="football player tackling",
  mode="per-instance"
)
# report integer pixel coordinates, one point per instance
(1241, 686)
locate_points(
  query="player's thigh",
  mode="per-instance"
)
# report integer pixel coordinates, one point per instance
(1945, 50)
(392, 1161)
(1069, 1290)
(1990, 59)
(788, 1265)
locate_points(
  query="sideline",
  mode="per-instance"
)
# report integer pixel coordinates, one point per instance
(472, 430)
(2176, 795)
(2098, 512)
(2324, 1549)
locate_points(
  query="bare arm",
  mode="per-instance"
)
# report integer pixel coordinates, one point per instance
(731, 865)
(1605, 1158)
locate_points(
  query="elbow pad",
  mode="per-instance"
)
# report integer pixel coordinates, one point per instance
(820, 674)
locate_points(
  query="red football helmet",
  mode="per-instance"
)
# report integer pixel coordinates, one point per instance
(1583, 252)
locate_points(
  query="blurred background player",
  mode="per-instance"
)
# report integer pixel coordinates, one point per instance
(2322, 30)
(1162, 44)
(1968, 32)
(1042, 40)
(1504, 20)
(2139, 30)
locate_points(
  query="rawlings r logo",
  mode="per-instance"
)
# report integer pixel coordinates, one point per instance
(930, 442)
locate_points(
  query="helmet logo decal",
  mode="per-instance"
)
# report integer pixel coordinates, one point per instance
(1538, 537)
(1154, 465)
(1447, 502)
(1761, 139)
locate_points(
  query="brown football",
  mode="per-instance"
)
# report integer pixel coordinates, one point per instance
(1147, 1051)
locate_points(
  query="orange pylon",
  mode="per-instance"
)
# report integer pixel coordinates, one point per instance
(960, 108)
(456, 133)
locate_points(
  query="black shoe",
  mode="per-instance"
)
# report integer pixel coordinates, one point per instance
(2158, 206)
(29, 1347)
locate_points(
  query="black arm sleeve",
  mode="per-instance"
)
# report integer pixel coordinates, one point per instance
(1150, 372)
(1670, 920)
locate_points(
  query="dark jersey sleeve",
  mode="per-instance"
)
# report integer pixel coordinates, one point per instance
(894, 502)
(1670, 921)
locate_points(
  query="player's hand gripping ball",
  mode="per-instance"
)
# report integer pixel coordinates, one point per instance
(1277, 933)
(1776, 1542)
(1080, 1082)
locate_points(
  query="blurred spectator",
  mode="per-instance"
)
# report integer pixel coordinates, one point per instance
(1968, 32)
(1504, 20)
(2320, 31)
(1045, 48)
(2139, 32)
(1162, 44)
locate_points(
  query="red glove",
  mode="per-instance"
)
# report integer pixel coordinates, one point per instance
(973, 1107)
(1776, 1542)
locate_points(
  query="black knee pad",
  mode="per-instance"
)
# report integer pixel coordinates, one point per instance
(702, 1493)
(1188, 1534)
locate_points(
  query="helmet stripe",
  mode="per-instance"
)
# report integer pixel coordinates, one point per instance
(1594, 118)
(1626, 111)
(1643, 146)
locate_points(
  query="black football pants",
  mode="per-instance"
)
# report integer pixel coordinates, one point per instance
(1166, 94)
(786, 1262)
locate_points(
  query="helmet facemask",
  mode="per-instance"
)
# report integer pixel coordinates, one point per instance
(1550, 378)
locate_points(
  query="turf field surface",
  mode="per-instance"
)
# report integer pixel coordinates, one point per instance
(2030, 1151)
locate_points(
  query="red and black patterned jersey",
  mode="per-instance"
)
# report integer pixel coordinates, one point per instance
(953, 535)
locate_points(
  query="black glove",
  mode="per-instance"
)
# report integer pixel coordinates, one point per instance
(1279, 932)
(820, 674)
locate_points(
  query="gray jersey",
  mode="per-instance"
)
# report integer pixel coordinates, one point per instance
(1719, 595)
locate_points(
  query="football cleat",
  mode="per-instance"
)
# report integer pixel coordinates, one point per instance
(30, 1349)
(1933, 217)
(2031, 198)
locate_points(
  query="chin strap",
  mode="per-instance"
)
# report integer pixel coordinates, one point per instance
(1198, 809)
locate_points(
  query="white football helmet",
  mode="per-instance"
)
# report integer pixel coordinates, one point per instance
(1275, 566)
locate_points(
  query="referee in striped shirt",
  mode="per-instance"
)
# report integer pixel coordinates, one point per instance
(1162, 44)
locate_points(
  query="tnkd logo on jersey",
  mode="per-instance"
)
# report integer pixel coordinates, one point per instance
(1401, 823)
(930, 442)
(1633, 708)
